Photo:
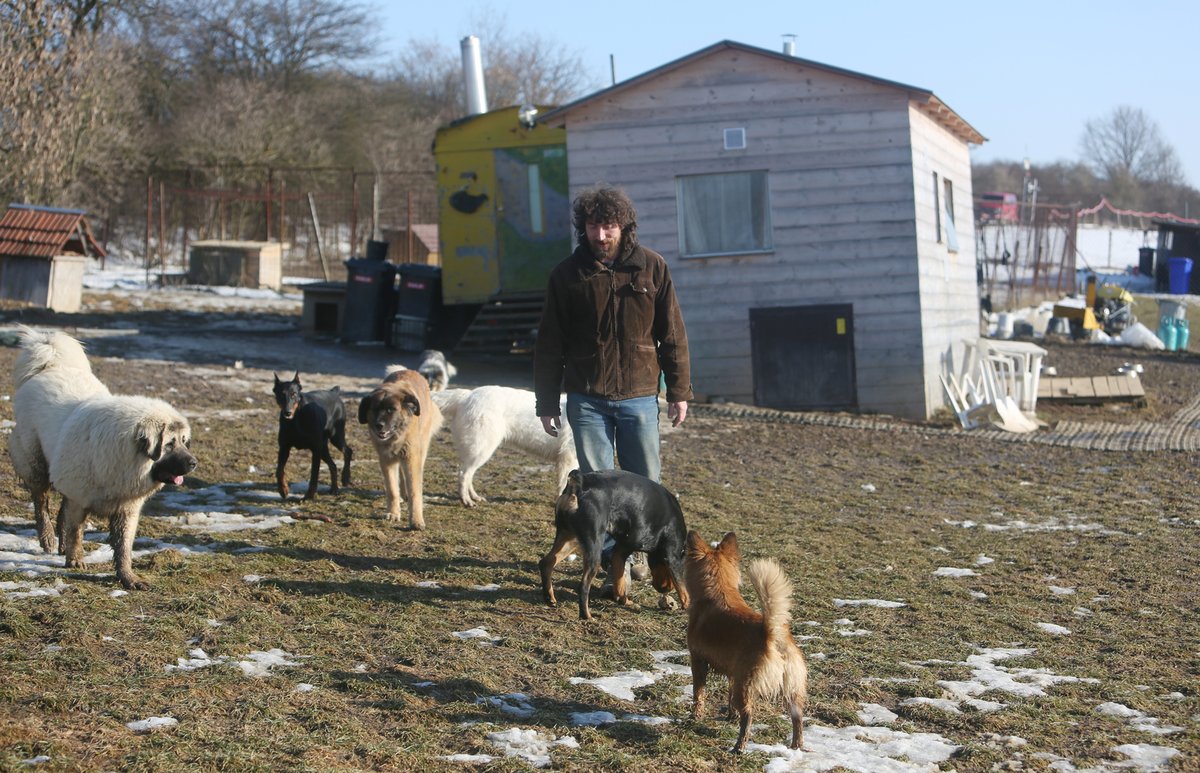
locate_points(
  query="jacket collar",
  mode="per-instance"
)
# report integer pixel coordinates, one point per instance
(632, 258)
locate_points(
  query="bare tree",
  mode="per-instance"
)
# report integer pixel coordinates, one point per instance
(277, 42)
(66, 115)
(244, 124)
(518, 69)
(1127, 144)
(425, 90)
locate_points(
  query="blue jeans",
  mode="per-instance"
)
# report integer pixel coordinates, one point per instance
(630, 427)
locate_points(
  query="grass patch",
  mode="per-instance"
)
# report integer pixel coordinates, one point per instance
(1103, 545)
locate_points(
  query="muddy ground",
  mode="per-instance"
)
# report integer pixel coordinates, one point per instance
(211, 330)
(864, 508)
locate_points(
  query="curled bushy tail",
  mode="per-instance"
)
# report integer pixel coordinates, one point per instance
(775, 592)
(46, 350)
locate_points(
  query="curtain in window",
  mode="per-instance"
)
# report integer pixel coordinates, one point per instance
(724, 213)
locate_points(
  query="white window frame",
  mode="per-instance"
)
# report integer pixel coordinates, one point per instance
(937, 207)
(729, 213)
(948, 203)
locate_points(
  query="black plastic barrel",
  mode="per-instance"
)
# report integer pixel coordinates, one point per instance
(418, 307)
(1146, 261)
(370, 299)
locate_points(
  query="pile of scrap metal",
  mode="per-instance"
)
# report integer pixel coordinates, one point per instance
(996, 385)
(1108, 307)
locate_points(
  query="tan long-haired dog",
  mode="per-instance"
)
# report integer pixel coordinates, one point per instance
(756, 651)
(401, 419)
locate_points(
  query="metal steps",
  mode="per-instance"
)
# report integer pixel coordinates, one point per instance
(506, 324)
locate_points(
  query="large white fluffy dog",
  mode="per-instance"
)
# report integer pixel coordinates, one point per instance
(482, 420)
(105, 454)
(52, 376)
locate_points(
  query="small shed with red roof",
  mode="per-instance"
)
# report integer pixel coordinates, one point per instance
(43, 255)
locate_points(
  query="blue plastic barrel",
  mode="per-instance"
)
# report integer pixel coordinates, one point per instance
(1181, 275)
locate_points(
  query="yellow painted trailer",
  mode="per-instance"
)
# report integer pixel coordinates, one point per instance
(503, 208)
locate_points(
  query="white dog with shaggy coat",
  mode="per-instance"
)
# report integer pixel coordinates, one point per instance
(486, 418)
(105, 454)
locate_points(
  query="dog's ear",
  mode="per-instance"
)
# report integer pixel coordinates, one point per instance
(276, 375)
(413, 405)
(296, 379)
(661, 579)
(729, 546)
(364, 407)
(695, 544)
(150, 440)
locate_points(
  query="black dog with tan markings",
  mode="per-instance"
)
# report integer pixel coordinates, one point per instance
(311, 421)
(638, 513)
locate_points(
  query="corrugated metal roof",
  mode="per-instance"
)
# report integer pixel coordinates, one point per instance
(43, 232)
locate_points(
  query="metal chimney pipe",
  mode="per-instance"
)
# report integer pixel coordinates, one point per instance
(473, 76)
(789, 45)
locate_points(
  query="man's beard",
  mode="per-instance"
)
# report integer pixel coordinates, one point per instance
(601, 254)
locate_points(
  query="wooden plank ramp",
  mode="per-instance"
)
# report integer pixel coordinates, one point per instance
(1091, 390)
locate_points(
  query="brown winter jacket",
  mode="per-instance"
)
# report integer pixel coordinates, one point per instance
(607, 332)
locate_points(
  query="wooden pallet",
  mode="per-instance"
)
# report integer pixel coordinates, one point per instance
(1091, 390)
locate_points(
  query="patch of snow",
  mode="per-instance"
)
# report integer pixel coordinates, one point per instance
(151, 724)
(951, 571)
(515, 703)
(480, 634)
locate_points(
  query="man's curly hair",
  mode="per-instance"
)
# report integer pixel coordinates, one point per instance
(604, 204)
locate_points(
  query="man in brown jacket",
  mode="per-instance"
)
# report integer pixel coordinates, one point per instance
(611, 324)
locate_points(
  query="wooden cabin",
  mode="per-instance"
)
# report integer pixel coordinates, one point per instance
(817, 223)
(43, 255)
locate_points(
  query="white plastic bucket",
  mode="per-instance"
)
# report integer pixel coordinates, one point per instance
(1004, 325)
(1172, 309)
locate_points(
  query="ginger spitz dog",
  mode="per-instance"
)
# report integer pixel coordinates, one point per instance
(401, 419)
(756, 651)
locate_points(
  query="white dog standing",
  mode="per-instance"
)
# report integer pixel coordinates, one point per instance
(484, 419)
(104, 454)
(52, 376)
(113, 454)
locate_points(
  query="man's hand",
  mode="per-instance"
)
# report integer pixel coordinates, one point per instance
(551, 425)
(676, 412)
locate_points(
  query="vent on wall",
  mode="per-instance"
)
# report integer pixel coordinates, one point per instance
(735, 139)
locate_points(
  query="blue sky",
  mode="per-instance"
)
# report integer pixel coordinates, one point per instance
(1027, 75)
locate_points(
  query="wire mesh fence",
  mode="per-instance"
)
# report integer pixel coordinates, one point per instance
(1029, 258)
(319, 217)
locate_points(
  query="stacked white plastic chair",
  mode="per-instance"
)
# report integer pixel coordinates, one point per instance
(998, 384)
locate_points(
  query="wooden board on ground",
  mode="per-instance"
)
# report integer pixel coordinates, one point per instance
(1091, 389)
